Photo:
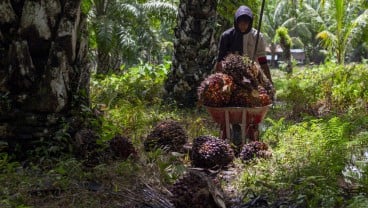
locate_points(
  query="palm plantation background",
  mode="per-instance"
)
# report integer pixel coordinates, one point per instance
(338, 24)
(143, 63)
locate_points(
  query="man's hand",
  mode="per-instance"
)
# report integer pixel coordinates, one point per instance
(218, 67)
(267, 72)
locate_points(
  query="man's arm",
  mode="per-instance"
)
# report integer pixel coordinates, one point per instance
(263, 62)
(223, 47)
(222, 50)
(218, 66)
(262, 59)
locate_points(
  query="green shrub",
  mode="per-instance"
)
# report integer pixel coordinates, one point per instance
(307, 161)
(342, 88)
(142, 83)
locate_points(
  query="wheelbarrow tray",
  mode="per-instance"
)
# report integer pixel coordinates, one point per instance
(244, 116)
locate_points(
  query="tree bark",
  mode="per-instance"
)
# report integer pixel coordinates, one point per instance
(195, 48)
(43, 67)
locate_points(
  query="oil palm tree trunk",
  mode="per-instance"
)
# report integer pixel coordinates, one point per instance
(194, 50)
(43, 68)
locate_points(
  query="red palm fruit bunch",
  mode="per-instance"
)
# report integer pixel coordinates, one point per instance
(194, 189)
(122, 147)
(168, 134)
(240, 83)
(211, 152)
(238, 66)
(266, 84)
(254, 149)
(240, 97)
(253, 88)
(215, 90)
(264, 98)
(259, 97)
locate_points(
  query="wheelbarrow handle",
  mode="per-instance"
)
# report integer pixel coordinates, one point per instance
(258, 31)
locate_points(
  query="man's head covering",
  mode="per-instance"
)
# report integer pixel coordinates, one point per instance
(243, 12)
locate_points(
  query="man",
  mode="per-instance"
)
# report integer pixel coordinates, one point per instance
(241, 39)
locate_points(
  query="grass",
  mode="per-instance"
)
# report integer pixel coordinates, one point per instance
(309, 156)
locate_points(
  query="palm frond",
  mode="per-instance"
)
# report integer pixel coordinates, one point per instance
(104, 28)
(158, 7)
(129, 9)
(296, 41)
(361, 20)
(328, 39)
(309, 11)
(357, 27)
(302, 29)
(279, 11)
(125, 37)
(289, 23)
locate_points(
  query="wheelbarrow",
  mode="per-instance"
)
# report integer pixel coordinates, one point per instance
(247, 118)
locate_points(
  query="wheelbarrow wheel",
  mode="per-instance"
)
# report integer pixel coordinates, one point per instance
(236, 135)
(252, 134)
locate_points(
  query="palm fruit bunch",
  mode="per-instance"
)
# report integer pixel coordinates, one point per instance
(240, 97)
(252, 88)
(254, 149)
(263, 96)
(85, 142)
(192, 190)
(168, 135)
(122, 147)
(211, 152)
(87, 148)
(239, 68)
(252, 98)
(215, 90)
